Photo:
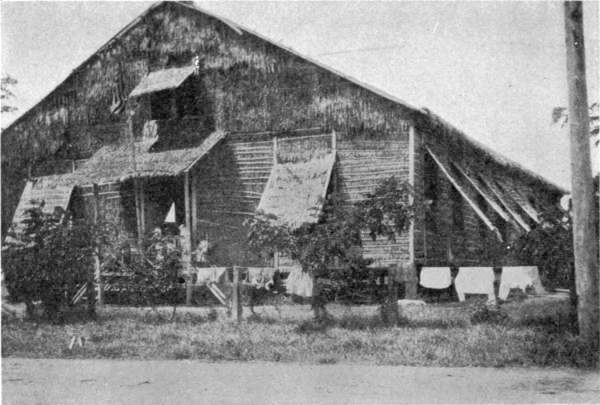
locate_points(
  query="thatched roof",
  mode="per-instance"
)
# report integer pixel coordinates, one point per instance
(422, 116)
(54, 191)
(114, 163)
(160, 80)
(296, 191)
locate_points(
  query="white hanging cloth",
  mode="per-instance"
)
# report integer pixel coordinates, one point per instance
(520, 277)
(437, 278)
(475, 280)
(170, 218)
(299, 283)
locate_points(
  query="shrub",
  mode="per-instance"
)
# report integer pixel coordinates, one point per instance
(49, 261)
(153, 276)
(331, 249)
(550, 247)
(490, 315)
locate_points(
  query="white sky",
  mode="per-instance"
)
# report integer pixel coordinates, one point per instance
(493, 69)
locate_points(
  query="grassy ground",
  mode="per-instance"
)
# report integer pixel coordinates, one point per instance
(531, 333)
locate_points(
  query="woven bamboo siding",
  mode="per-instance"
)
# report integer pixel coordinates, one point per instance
(231, 181)
(363, 162)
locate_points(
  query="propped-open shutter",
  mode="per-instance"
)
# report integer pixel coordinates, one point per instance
(54, 191)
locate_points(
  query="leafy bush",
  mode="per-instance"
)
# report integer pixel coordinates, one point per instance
(550, 247)
(490, 315)
(152, 276)
(331, 249)
(49, 261)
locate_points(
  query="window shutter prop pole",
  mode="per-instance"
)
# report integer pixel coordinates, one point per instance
(481, 215)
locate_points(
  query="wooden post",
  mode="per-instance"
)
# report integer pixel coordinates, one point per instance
(584, 239)
(274, 150)
(142, 207)
(194, 208)
(188, 242)
(138, 213)
(409, 271)
(390, 313)
(236, 299)
(97, 270)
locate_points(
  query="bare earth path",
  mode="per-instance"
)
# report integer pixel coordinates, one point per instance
(49, 381)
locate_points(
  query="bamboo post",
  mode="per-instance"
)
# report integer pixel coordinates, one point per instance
(138, 213)
(236, 301)
(142, 207)
(409, 274)
(194, 209)
(188, 241)
(584, 240)
(97, 270)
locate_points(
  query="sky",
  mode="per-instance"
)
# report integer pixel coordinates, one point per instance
(493, 69)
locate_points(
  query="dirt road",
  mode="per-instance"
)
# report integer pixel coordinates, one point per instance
(26, 381)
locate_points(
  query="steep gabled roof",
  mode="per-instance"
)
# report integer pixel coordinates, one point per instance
(422, 114)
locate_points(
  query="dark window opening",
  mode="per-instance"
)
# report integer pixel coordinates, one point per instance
(483, 207)
(430, 191)
(161, 105)
(184, 101)
(458, 219)
(503, 228)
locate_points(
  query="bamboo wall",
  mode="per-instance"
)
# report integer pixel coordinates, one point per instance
(472, 246)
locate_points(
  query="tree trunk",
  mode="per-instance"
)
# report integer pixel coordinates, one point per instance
(390, 313)
(584, 241)
(318, 304)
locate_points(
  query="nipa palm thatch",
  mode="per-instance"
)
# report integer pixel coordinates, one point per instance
(296, 191)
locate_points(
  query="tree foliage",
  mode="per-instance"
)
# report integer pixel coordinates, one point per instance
(49, 261)
(331, 249)
(149, 277)
(550, 247)
(561, 116)
(6, 83)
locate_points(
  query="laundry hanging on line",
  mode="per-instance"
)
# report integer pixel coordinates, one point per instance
(211, 275)
(520, 277)
(260, 276)
(475, 280)
(299, 283)
(437, 278)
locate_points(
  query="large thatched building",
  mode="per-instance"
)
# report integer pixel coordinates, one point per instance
(224, 121)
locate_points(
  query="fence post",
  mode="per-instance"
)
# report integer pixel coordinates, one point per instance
(390, 313)
(97, 268)
(236, 302)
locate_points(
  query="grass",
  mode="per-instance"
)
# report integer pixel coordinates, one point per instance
(533, 333)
